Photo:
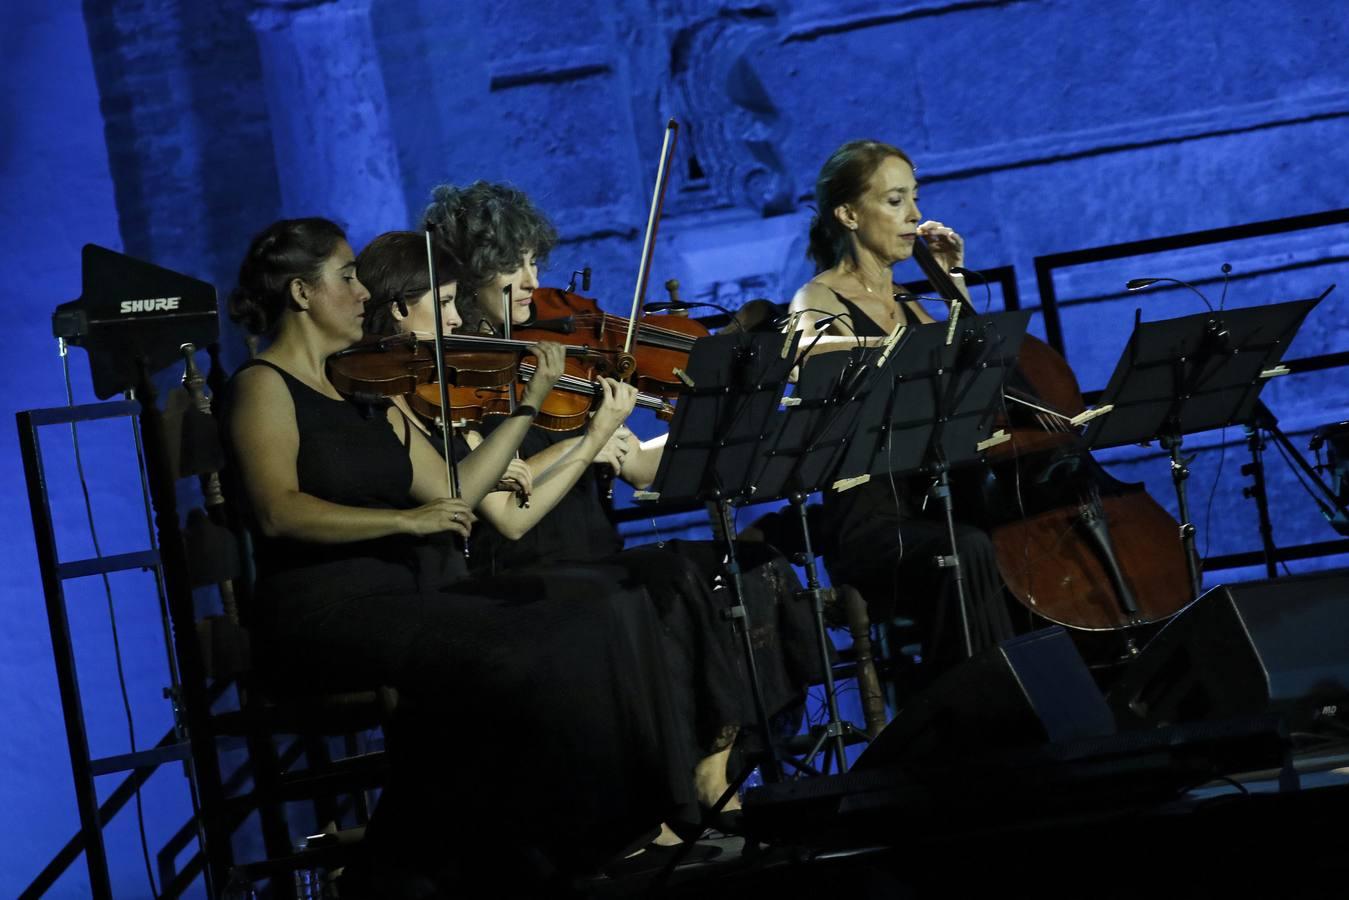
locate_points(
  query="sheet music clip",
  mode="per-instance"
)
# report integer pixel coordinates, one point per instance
(951, 328)
(993, 440)
(788, 331)
(847, 484)
(1086, 416)
(788, 402)
(645, 496)
(1276, 372)
(891, 341)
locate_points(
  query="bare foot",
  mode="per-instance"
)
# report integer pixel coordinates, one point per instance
(709, 780)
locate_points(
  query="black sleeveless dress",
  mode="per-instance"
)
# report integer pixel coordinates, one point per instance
(544, 713)
(883, 544)
(682, 578)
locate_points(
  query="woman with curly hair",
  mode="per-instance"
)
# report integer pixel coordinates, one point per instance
(501, 237)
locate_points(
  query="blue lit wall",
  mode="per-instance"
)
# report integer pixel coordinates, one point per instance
(174, 130)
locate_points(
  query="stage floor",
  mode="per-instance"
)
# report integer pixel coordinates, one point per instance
(1274, 831)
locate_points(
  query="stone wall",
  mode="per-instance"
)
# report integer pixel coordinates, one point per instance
(175, 130)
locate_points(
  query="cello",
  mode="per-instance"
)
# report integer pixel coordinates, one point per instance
(1074, 545)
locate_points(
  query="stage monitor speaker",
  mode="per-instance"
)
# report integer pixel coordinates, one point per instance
(1026, 691)
(1265, 646)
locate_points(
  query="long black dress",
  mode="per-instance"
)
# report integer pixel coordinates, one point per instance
(882, 544)
(682, 577)
(550, 694)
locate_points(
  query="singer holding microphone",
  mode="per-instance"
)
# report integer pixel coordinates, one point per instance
(866, 221)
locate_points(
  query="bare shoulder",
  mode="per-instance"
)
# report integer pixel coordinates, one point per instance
(260, 393)
(815, 296)
(257, 381)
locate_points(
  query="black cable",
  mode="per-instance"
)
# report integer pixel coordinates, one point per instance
(988, 292)
(1213, 491)
(112, 619)
(1297, 474)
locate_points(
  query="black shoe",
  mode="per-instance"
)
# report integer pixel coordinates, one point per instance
(658, 856)
(724, 822)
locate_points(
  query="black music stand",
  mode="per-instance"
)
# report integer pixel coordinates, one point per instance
(801, 457)
(732, 388)
(1191, 374)
(932, 409)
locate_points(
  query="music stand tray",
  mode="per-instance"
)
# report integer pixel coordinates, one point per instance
(1194, 373)
(1191, 374)
(934, 408)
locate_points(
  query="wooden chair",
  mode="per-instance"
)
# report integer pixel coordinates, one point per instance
(289, 738)
(845, 608)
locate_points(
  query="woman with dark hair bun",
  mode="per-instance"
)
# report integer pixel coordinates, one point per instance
(581, 756)
(866, 221)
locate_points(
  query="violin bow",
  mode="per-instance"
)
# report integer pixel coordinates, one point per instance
(521, 498)
(506, 293)
(451, 462)
(652, 222)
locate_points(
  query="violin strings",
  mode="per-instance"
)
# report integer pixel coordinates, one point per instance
(646, 401)
(668, 338)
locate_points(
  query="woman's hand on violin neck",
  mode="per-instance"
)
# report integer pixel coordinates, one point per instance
(518, 479)
(616, 404)
(445, 514)
(552, 357)
(947, 247)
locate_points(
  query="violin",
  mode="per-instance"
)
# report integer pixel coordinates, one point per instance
(482, 372)
(398, 364)
(1074, 545)
(662, 345)
(566, 408)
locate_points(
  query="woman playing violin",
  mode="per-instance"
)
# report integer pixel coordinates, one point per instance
(501, 236)
(867, 220)
(393, 267)
(557, 464)
(342, 496)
